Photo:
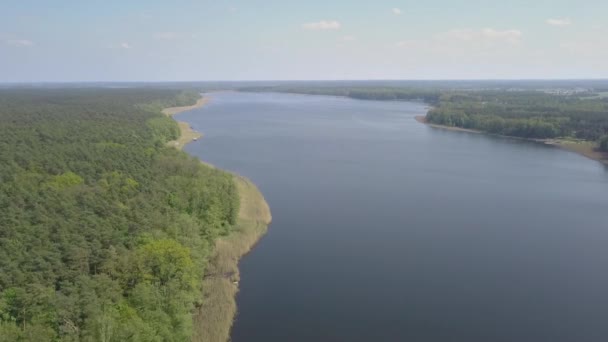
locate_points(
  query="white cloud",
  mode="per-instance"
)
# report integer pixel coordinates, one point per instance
(349, 38)
(166, 35)
(20, 42)
(396, 11)
(322, 25)
(125, 45)
(559, 21)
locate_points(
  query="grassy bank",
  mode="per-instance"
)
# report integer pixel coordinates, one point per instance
(214, 317)
(588, 149)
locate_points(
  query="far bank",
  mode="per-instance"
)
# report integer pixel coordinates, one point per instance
(584, 148)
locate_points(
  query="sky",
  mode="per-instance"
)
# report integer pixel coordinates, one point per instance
(199, 40)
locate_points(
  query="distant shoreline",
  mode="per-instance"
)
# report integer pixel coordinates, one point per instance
(584, 148)
(176, 110)
(214, 317)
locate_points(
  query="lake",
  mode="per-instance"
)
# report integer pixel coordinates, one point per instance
(385, 229)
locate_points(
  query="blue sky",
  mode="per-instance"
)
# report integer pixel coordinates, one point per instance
(180, 40)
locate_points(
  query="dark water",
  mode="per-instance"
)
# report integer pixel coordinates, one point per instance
(388, 230)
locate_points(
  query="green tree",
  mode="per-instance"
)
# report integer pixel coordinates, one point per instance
(604, 143)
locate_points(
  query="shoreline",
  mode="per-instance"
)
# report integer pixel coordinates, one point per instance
(213, 319)
(422, 119)
(187, 134)
(176, 110)
(584, 148)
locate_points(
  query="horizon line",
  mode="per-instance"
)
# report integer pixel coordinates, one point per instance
(312, 80)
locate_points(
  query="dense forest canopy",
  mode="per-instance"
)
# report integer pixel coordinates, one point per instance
(104, 230)
(528, 114)
(492, 106)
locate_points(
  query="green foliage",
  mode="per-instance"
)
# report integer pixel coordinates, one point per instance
(162, 262)
(65, 180)
(528, 114)
(164, 127)
(604, 143)
(104, 231)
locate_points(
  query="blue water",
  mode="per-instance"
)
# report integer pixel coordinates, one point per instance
(385, 229)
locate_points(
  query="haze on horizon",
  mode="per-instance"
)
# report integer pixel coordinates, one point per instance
(197, 40)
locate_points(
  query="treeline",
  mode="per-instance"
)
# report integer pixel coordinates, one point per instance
(104, 231)
(604, 143)
(524, 114)
(530, 128)
(429, 96)
(362, 93)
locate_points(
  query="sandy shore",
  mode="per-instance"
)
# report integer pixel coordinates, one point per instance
(213, 320)
(187, 133)
(176, 110)
(585, 148)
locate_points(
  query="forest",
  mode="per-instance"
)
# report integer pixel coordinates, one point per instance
(430, 95)
(105, 231)
(525, 113)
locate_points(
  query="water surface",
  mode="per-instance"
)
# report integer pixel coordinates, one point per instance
(388, 230)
